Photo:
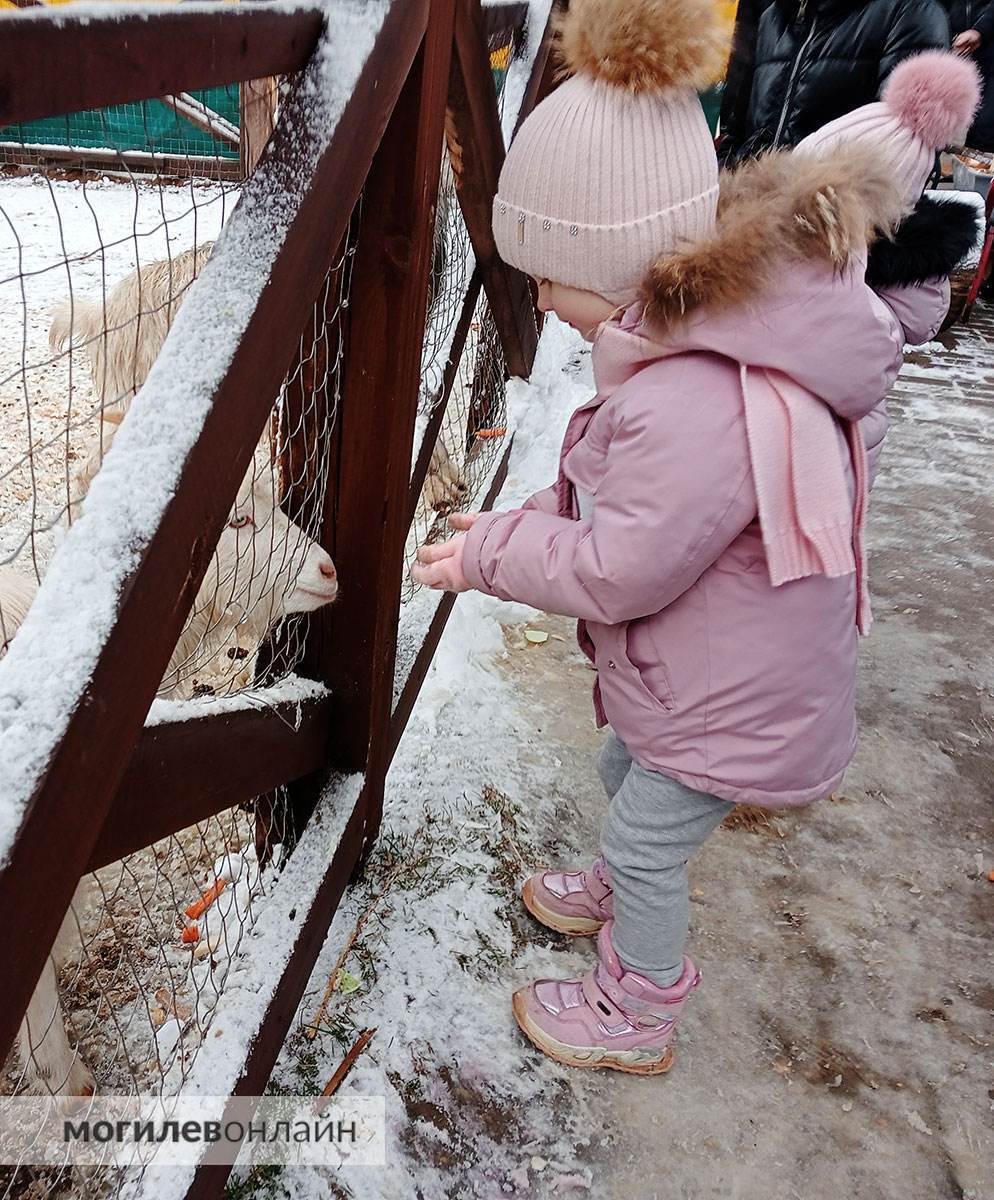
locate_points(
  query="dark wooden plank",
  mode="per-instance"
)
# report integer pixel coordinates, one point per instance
(304, 213)
(354, 642)
(476, 146)
(55, 62)
(411, 686)
(264, 1048)
(543, 78)
(434, 426)
(187, 771)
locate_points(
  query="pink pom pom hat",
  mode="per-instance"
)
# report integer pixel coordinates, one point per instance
(926, 105)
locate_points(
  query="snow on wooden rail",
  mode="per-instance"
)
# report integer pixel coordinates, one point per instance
(119, 588)
(45, 675)
(83, 782)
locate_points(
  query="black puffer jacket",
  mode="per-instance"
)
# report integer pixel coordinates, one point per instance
(806, 62)
(978, 15)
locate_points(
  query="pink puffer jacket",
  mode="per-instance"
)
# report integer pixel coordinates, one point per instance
(706, 672)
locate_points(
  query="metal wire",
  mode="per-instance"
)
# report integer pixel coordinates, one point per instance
(473, 433)
(134, 999)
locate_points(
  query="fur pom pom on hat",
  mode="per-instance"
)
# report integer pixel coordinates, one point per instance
(644, 45)
(926, 104)
(934, 94)
(617, 166)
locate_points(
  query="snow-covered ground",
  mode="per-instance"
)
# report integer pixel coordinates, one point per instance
(841, 1043)
(62, 238)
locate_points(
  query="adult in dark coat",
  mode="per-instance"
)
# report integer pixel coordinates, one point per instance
(971, 24)
(797, 64)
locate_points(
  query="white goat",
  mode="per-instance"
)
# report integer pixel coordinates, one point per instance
(123, 337)
(265, 567)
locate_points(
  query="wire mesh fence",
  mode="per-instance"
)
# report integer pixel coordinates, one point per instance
(95, 269)
(473, 432)
(128, 996)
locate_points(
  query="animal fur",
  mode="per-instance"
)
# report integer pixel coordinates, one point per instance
(123, 337)
(771, 210)
(929, 243)
(17, 593)
(261, 571)
(644, 45)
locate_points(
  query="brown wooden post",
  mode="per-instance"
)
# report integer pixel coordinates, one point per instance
(476, 146)
(257, 108)
(353, 645)
(313, 174)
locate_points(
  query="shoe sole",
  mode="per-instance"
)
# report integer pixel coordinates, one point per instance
(571, 926)
(561, 1053)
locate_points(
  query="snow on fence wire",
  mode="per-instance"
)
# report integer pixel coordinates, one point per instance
(210, 390)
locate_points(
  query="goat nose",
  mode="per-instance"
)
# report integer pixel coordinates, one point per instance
(327, 568)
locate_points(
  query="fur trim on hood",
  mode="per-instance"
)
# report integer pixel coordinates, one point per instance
(928, 244)
(771, 211)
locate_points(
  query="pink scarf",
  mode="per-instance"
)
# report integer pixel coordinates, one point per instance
(809, 523)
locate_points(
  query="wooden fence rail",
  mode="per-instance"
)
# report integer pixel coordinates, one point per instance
(385, 86)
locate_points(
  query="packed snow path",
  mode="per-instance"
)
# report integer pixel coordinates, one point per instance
(841, 1042)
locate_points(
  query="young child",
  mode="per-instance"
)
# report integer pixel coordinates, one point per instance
(706, 525)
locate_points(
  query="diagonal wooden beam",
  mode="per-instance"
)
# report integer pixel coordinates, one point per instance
(441, 402)
(86, 664)
(476, 147)
(59, 61)
(203, 118)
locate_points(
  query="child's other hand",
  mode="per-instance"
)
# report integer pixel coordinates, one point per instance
(440, 566)
(463, 521)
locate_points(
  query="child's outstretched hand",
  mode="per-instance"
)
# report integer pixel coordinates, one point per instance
(440, 566)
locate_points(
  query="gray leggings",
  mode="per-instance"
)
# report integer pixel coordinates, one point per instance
(653, 826)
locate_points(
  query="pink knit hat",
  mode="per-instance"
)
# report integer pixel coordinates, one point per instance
(617, 166)
(926, 105)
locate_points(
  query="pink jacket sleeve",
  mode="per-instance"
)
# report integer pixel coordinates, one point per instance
(543, 501)
(874, 427)
(920, 308)
(674, 494)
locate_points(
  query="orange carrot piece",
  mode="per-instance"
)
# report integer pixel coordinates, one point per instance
(199, 907)
(190, 934)
(491, 433)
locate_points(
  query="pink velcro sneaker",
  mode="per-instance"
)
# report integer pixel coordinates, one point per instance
(610, 1018)
(576, 903)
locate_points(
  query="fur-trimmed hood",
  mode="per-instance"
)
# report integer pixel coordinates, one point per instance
(928, 244)
(774, 211)
(779, 286)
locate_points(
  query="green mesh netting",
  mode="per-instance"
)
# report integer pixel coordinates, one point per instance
(149, 125)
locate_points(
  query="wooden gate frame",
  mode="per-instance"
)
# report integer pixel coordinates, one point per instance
(108, 785)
